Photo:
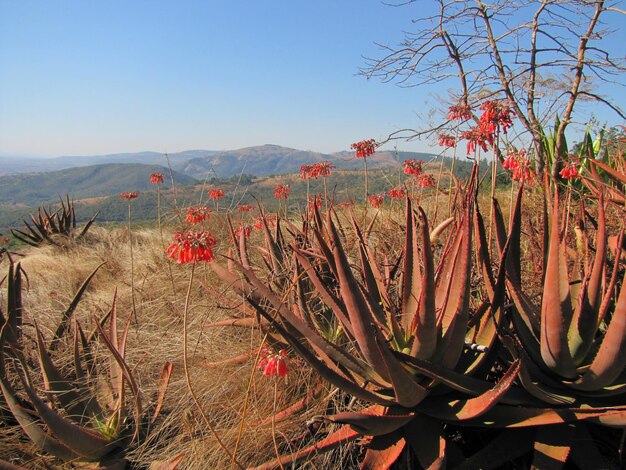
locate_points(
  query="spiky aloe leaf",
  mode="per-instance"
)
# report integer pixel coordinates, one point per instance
(87, 226)
(411, 275)
(552, 446)
(613, 174)
(423, 326)
(503, 449)
(31, 427)
(338, 438)
(79, 439)
(162, 384)
(373, 421)
(383, 451)
(611, 358)
(11, 327)
(67, 315)
(425, 436)
(556, 307)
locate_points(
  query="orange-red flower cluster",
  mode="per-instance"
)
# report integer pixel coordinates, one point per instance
(517, 163)
(569, 172)
(376, 200)
(321, 169)
(273, 364)
(243, 229)
(425, 181)
(413, 167)
(477, 136)
(195, 215)
(216, 193)
(496, 116)
(157, 178)
(245, 208)
(281, 191)
(191, 247)
(129, 196)
(346, 204)
(364, 148)
(305, 172)
(270, 219)
(447, 140)
(397, 192)
(460, 111)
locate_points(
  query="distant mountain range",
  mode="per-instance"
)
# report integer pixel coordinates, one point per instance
(32, 181)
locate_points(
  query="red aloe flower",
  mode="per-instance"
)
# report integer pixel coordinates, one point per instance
(216, 193)
(195, 215)
(273, 364)
(413, 167)
(157, 178)
(315, 200)
(447, 140)
(397, 192)
(129, 196)
(569, 172)
(364, 148)
(192, 247)
(517, 163)
(346, 204)
(281, 191)
(270, 219)
(425, 181)
(460, 111)
(245, 229)
(376, 200)
(305, 172)
(245, 208)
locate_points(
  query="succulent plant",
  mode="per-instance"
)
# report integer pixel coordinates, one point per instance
(84, 415)
(47, 226)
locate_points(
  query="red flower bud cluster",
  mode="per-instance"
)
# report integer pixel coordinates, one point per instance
(447, 140)
(270, 219)
(425, 181)
(129, 196)
(460, 111)
(376, 200)
(273, 364)
(315, 200)
(496, 116)
(397, 192)
(364, 148)
(477, 136)
(243, 229)
(191, 247)
(195, 215)
(216, 193)
(346, 204)
(413, 167)
(157, 178)
(517, 163)
(245, 208)
(569, 172)
(281, 191)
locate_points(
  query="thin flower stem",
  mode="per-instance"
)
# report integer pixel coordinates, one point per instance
(274, 425)
(132, 265)
(188, 377)
(169, 266)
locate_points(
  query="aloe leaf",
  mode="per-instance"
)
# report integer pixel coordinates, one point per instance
(338, 438)
(26, 238)
(425, 436)
(482, 254)
(584, 323)
(67, 315)
(611, 358)
(613, 174)
(31, 428)
(162, 384)
(80, 440)
(556, 308)
(11, 332)
(411, 275)
(424, 323)
(383, 451)
(552, 446)
(76, 406)
(87, 226)
(373, 421)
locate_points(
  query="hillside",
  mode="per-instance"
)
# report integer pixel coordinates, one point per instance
(82, 182)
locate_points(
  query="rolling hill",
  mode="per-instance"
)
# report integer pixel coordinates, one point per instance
(82, 182)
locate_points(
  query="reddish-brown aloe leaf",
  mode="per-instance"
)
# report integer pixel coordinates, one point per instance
(411, 276)
(373, 421)
(81, 440)
(552, 446)
(340, 437)
(249, 322)
(611, 358)
(504, 448)
(424, 327)
(162, 384)
(556, 307)
(297, 407)
(425, 437)
(616, 175)
(231, 361)
(383, 451)
(31, 428)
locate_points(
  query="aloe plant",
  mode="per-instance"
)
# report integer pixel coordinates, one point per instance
(47, 226)
(85, 415)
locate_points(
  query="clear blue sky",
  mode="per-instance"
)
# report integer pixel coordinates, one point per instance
(90, 77)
